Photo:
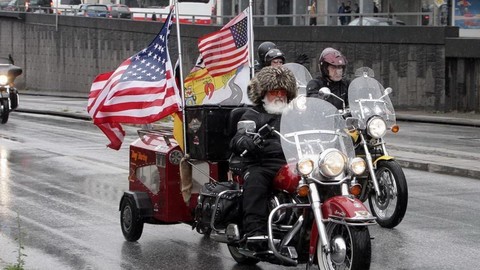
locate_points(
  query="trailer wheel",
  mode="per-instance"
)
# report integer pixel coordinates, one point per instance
(132, 225)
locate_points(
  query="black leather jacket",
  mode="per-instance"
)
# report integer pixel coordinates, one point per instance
(339, 88)
(271, 147)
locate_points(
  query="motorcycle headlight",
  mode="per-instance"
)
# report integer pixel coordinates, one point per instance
(3, 79)
(376, 127)
(305, 166)
(357, 165)
(332, 163)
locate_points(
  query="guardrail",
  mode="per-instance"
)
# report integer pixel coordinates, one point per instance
(398, 18)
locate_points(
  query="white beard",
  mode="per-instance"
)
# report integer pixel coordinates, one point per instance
(275, 107)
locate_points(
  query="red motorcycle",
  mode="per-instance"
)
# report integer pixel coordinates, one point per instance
(313, 217)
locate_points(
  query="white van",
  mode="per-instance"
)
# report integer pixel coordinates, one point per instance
(66, 7)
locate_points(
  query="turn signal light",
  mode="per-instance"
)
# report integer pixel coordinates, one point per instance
(355, 190)
(395, 128)
(303, 191)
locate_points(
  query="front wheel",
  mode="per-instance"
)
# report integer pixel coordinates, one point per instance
(350, 248)
(132, 225)
(5, 111)
(240, 258)
(391, 205)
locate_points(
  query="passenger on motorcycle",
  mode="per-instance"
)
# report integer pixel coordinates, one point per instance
(262, 52)
(274, 58)
(332, 64)
(270, 91)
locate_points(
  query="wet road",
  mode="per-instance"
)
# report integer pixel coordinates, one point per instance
(57, 175)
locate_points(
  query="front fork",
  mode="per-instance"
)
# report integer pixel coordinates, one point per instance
(317, 212)
(5, 90)
(368, 157)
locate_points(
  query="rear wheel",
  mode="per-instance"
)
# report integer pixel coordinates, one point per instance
(350, 248)
(391, 205)
(132, 225)
(240, 258)
(4, 111)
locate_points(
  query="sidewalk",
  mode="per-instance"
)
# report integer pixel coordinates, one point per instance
(456, 159)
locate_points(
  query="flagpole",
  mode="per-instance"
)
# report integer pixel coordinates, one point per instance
(177, 21)
(250, 39)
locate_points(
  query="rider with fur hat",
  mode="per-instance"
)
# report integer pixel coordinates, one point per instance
(332, 64)
(270, 91)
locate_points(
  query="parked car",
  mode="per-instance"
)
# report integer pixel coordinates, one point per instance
(93, 10)
(119, 11)
(37, 6)
(3, 4)
(375, 21)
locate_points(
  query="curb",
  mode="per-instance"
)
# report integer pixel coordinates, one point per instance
(436, 168)
(439, 120)
(55, 113)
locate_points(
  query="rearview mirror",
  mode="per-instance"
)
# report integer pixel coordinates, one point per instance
(388, 91)
(324, 93)
(354, 123)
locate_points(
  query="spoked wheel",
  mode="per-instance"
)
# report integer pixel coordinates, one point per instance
(240, 258)
(4, 111)
(391, 205)
(132, 226)
(350, 248)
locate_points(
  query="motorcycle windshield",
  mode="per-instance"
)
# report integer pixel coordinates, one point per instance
(367, 97)
(302, 75)
(309, 126)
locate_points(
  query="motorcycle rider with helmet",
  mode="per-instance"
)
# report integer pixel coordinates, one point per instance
(262, 51)
(332, 64)
(274, 57)
(270, 91)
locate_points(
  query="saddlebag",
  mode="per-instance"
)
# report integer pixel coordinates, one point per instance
(227, 210)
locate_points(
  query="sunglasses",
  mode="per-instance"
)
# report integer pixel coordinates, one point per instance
(278, 92)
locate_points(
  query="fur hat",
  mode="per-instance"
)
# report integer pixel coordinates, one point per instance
(270, 78)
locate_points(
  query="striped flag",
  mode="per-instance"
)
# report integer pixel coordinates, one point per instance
(227, 49)
(141, 90)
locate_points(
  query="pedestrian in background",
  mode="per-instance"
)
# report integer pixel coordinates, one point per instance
(341, 10)
(312, 10)
(348, 10)
(356, 9)
(375, 8)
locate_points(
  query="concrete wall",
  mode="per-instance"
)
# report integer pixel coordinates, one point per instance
(425, 66)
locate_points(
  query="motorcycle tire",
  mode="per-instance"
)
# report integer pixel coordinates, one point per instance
(351, 248)
(240, 258)
(5, 111)
(14, 99)
(132, 225)
(391, 206)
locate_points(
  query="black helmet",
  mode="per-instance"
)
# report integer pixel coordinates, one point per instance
(273, 54)
(330, 56)
(263, 49)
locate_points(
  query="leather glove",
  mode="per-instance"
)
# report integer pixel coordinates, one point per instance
(246, 143)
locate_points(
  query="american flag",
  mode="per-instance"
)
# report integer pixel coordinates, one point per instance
(141, 90)
(225, 50)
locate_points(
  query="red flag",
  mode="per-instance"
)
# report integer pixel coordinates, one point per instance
(141, 90)
(225, 50)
